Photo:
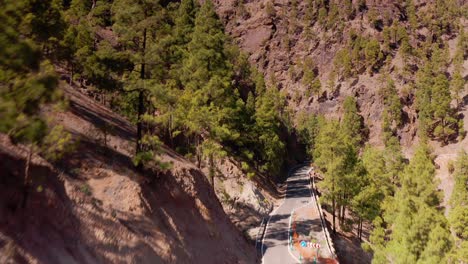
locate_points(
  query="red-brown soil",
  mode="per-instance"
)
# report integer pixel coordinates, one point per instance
(94, 207)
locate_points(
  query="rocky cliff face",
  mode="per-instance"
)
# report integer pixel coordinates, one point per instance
(280, 40)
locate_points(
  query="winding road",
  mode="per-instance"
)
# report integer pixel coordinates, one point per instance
(276, 245)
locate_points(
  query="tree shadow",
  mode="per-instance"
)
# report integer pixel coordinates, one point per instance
(112, 124)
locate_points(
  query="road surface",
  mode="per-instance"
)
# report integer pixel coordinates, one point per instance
(275, 246)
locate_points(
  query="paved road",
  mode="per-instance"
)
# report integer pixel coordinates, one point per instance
(275, 242)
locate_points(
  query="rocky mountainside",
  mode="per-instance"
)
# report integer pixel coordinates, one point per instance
(285, 39)
(318, 53)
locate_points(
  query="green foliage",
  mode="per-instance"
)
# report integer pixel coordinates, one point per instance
(418, 229)
(27, 81)
(310, 79)
(212, 150)
(343, 64)
(373, 17)
(392, 109)
(267, 127)
(270, 9)
(322, 15)
(307, 129)
(352, 122)
(459, 213)
(411, 13)
(42, 21)
(57, 143)
(372, 53)
(457, 85)
(86, 56)
(86, 189)
(337, 160)
(433, 98)
(360, 53)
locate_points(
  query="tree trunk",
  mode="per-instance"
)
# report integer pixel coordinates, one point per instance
(139, 122)
(339, 214)
(26, 177)
(170, 131)
(212, 171)
(198, 151)
(141, 106)
(71, 75)
(334, 198)
(343, 213)
(333, 210)
(360, 228)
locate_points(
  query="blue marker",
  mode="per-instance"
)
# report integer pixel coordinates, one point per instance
(303, 244)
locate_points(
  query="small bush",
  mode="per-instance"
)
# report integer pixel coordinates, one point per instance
(57, 143)
(270, 10)
(451, 166)
(85, 189)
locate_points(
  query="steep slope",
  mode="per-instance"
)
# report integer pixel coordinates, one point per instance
(95, 207)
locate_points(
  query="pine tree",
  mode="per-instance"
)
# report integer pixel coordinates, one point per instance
(411, 13)
(43, 23)
(209, 102)
(459, 207)
(27, 80)
(336, 159)
(352, 123)
(267, 126)
(382, 170)
(391, 116)
(443, 113)
(307, 127)
(87, 57)
(172, 49)
(372, 53)
(310, 79)
(136, 26)
(458, 83)
(270, 10)
(183, 29)
(433, 98)
(419, 230)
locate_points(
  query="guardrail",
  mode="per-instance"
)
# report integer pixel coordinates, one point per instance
(324, 225)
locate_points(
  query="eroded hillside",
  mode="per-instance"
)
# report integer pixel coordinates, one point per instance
(96, 207)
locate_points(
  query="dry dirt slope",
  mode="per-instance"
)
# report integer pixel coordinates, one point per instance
(95, 208)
